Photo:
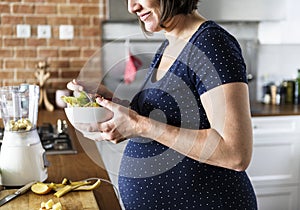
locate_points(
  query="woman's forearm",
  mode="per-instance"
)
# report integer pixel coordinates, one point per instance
(205, 145)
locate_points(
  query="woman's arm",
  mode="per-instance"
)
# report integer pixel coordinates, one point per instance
(228, 143)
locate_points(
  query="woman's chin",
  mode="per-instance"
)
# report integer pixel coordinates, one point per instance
(152, 28)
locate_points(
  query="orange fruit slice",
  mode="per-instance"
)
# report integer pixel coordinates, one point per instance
(40, 188)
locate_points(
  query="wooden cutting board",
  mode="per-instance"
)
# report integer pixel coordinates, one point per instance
(80, 200)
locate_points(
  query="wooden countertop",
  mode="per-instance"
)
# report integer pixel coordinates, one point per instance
(79, 166)
(259, 109)
(83, 200)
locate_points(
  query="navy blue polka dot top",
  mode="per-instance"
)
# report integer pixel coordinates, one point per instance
(153, 176)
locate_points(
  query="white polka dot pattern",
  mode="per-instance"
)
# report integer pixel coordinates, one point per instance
(153, 176)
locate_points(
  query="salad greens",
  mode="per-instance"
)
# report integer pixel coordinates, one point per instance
(80, 101)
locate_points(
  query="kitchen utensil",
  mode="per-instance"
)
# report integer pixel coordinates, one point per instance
(22, 157)
(17, 193)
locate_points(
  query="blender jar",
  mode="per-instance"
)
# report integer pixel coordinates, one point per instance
(19, 107)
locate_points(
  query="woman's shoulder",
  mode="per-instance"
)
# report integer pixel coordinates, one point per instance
(210, 25)
(210, 31)
(211, 36)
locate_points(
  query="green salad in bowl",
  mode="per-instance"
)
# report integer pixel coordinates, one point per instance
(81, 101)
(81, 110)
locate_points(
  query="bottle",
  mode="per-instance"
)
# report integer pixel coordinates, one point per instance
(290, 91)
(273, 93)
(297, 89)
(282, 93)
(266, 99)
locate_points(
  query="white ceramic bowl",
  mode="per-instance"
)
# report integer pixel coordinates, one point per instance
(87, 114)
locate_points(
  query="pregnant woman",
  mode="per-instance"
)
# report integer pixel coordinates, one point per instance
(189, 128)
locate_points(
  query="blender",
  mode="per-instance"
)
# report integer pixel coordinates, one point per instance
(22, 157)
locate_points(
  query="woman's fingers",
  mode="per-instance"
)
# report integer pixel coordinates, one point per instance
(87, 127)
(93, 131)
(74, 86)
(105, 103)
(115, 129)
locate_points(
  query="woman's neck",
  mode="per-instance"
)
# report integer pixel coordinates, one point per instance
(182, 27)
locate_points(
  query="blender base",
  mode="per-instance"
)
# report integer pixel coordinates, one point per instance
(22, 158)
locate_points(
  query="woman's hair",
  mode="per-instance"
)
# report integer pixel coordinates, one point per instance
(170, 8)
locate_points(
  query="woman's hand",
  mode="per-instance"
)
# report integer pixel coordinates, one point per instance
(123, 124)
(75, 86)
(100, 90)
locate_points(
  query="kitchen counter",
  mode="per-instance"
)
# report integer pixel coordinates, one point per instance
(259, 109)
(79, 166)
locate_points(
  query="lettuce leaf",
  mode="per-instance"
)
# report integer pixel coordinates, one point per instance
(80, 101)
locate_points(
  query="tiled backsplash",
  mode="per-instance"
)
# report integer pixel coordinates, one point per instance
(19, 56)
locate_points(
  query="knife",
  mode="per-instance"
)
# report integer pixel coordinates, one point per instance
(17, 193)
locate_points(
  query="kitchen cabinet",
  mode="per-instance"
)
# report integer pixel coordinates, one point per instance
(243, 10)
(286, 31)
(117, 11)
(219, 10)
(111, 155)
(274, 170)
